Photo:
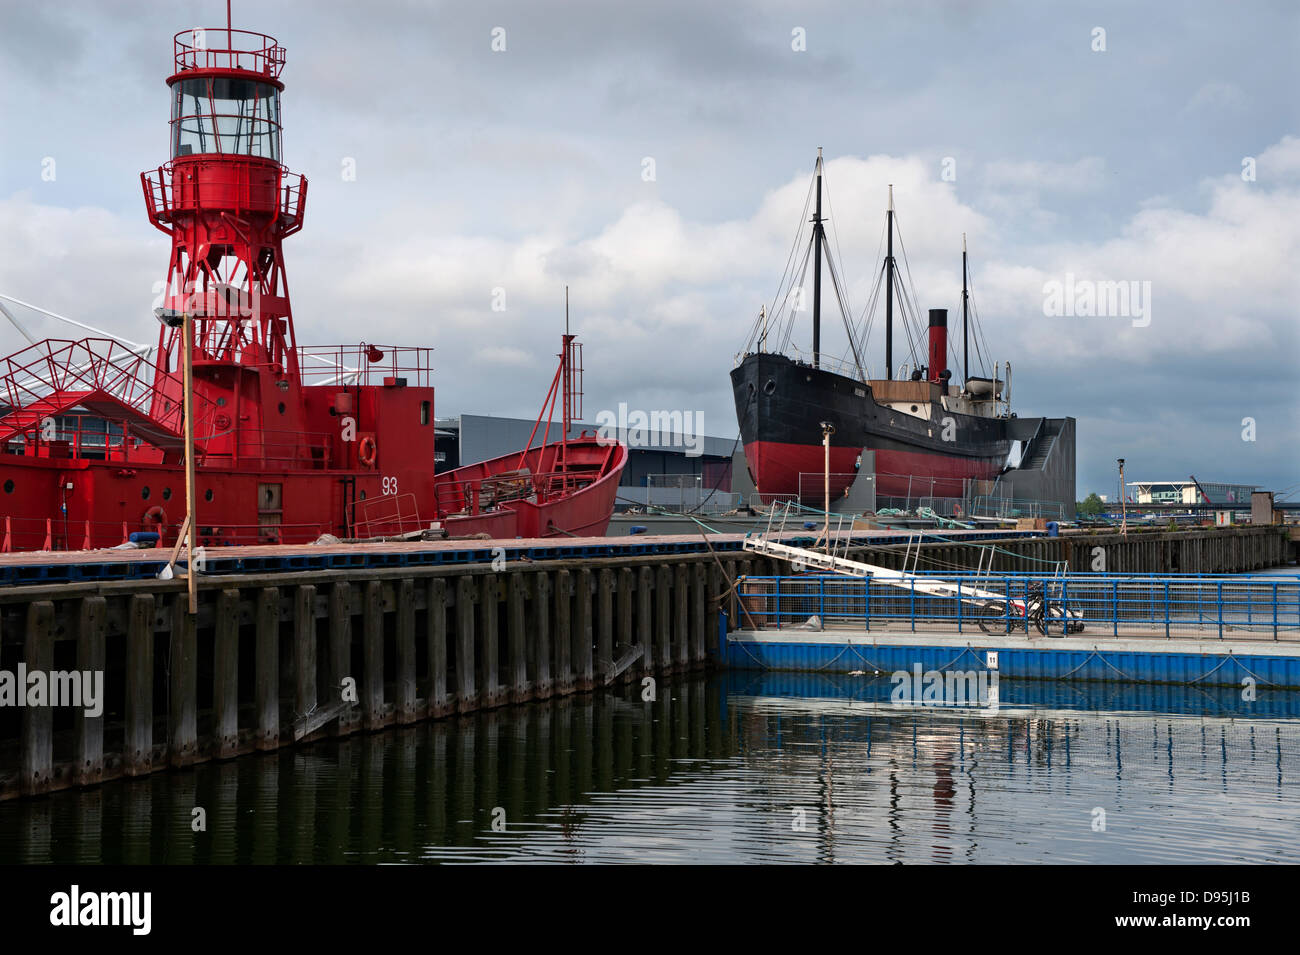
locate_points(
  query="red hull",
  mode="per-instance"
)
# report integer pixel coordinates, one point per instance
(108, 501)
(776, 468)
(584, 511)
(931, 475)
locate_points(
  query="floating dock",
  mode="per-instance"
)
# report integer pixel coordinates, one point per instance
(1241, 631)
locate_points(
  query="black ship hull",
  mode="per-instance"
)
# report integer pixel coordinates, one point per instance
(781, 404)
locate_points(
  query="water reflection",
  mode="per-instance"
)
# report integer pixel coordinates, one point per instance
(743, 767)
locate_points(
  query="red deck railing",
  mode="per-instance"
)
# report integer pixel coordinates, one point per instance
(230, 186)
(365, 364)
(389, 516)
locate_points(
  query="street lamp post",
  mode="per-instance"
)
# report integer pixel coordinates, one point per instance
(1123, 503)
(828, 429)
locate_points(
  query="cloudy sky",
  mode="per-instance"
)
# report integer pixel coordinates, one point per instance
(1171, 156)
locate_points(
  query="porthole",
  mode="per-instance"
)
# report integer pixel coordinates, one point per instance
(144, 493)
(167, 494)
(769, 386)
(9, 487)
(362, 495)
(281, 407)
(207, 495)
(914, 407)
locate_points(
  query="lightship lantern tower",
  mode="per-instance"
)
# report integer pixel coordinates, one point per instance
(228, 202)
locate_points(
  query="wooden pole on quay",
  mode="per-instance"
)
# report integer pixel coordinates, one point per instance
(190, 477)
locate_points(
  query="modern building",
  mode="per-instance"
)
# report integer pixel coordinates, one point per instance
(1190, 492)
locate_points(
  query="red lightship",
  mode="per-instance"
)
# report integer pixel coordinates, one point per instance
(290, 442)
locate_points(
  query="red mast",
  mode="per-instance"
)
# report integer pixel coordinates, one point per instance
(228, 202)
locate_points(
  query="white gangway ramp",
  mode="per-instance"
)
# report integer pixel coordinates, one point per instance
(770, 543)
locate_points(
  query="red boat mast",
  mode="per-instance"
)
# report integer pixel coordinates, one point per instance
(566, 387)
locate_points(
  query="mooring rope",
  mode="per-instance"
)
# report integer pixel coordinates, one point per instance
(871, 663)
(965, 650)
(1231, 656)
(1097, 653)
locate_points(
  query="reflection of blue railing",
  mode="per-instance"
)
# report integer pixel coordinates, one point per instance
(828, 692)
(1186, 605)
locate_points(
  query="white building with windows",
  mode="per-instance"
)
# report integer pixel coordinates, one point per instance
(1190, 492)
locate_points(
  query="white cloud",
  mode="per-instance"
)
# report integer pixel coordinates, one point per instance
(1037, 176)
(504, 355)
(1281, 161)
(1217, 275)
(1217, 97)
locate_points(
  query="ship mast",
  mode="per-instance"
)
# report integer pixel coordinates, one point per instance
(567, 371)
(819, 234)
(889, 288)
(965, 296)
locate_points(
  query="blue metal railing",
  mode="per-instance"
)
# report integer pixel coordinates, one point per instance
(1189, 606)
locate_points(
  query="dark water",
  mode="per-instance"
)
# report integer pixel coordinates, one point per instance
(736, 768)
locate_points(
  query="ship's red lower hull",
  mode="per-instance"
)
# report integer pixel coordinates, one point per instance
(777, 467)
(793, 470)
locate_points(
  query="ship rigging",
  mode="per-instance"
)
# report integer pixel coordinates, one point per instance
(778, 321)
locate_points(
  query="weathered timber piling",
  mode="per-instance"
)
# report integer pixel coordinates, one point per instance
(274, 659)
(277, 658)
(1146, 551)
